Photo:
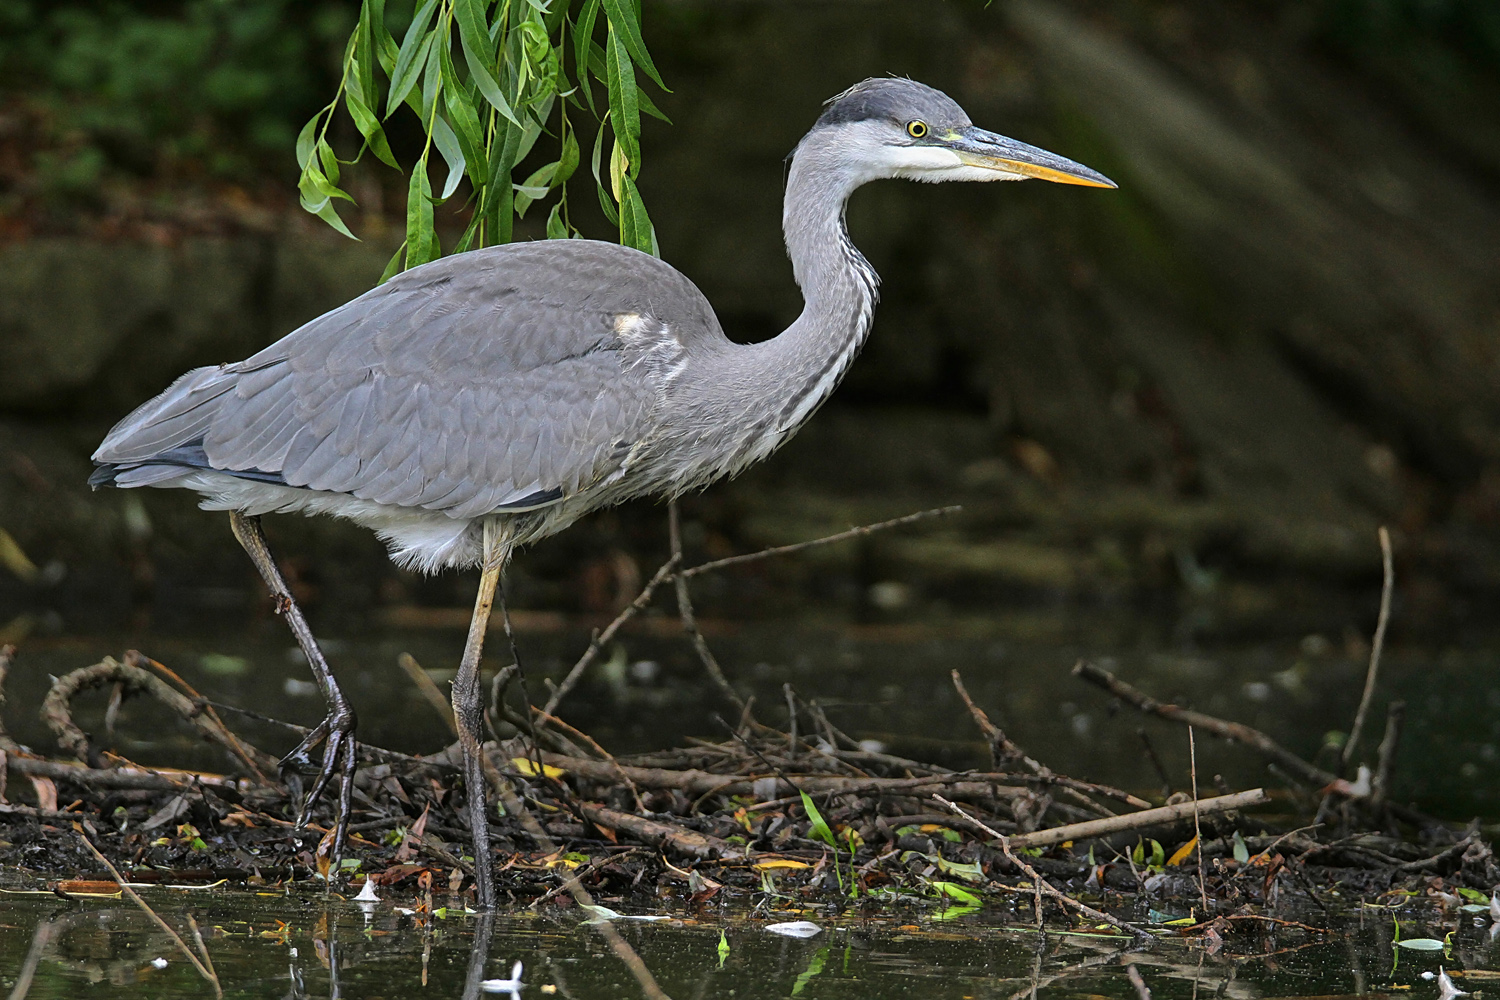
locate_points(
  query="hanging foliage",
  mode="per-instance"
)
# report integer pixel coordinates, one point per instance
(488, 80)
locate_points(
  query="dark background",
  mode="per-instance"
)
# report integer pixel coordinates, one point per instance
(1195, 397)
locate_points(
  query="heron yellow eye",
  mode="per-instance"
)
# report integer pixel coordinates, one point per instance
(916, 129)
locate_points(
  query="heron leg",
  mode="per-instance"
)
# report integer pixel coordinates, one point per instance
(336, 731)
(468, 712)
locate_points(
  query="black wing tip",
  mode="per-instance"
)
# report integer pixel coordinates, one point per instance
(103, 475)
(184, 457)
(540, 498)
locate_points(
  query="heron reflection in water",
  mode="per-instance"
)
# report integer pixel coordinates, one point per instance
(489, 399)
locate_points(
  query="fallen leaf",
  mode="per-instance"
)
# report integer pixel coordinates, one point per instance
(526, 766)
(46, 793)
(1182, 853)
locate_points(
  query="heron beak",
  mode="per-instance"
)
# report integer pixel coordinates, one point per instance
(990, 151)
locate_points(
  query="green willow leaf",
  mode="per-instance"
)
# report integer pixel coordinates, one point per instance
(568, 162)
(583, 44)
(394, 267)
(536, 187)
(369, 127)
(650, 108)
(499, 195)
(624, 101)
(421, 239)
(386, 50)
(606, 204)
(622, 17)
(820, 828)
(329, 162)
(466, 241)
(955, 891)
(317, 189)
(307, 141)
(463, 115)
(556, 228)
(328, 215)
(642, 232)
(479, 53)
(412, 57)
(596, 61)
(432, 82)
(362, 66)
(452, 153)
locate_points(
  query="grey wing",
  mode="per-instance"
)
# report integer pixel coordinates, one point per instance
(496, 380)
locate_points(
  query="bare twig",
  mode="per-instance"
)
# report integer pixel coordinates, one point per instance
(1003, 749)
(1235, 731)
(690, 621)
(666, 836)
(428, 689)
(670, 570)
(136, 659)
(1197, 829)
(791, 719)
(57, 714)
(693, 781)
(1041, 884)
(781, 550)
(366, 752)
(628, 612)
(152, 780)
(608, 757)
(1137, 820)
(203, 970)
(1161, 772)
(1134, 975)
(1395, 716)
(1373, 670)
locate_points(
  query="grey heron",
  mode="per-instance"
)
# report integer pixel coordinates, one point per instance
(485, 400)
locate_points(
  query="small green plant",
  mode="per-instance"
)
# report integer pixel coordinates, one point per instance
(850, 841)
(1153, 862)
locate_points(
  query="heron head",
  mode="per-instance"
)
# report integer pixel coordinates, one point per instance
(894, 127)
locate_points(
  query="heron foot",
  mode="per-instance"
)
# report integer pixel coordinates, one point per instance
(336, 734)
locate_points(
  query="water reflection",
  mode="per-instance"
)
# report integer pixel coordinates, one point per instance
(303, 945)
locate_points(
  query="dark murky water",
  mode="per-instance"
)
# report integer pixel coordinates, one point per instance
(303, 945)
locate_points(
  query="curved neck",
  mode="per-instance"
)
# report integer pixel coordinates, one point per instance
(839, 288)
(744, 401)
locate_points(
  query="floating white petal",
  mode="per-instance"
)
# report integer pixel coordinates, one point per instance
(795, 928)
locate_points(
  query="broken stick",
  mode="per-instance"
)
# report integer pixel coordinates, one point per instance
(1144, 818)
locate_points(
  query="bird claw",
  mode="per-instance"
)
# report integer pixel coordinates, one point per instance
(336, 733)
(299, 761)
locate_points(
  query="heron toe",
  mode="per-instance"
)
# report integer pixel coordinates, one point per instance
(336, 734)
